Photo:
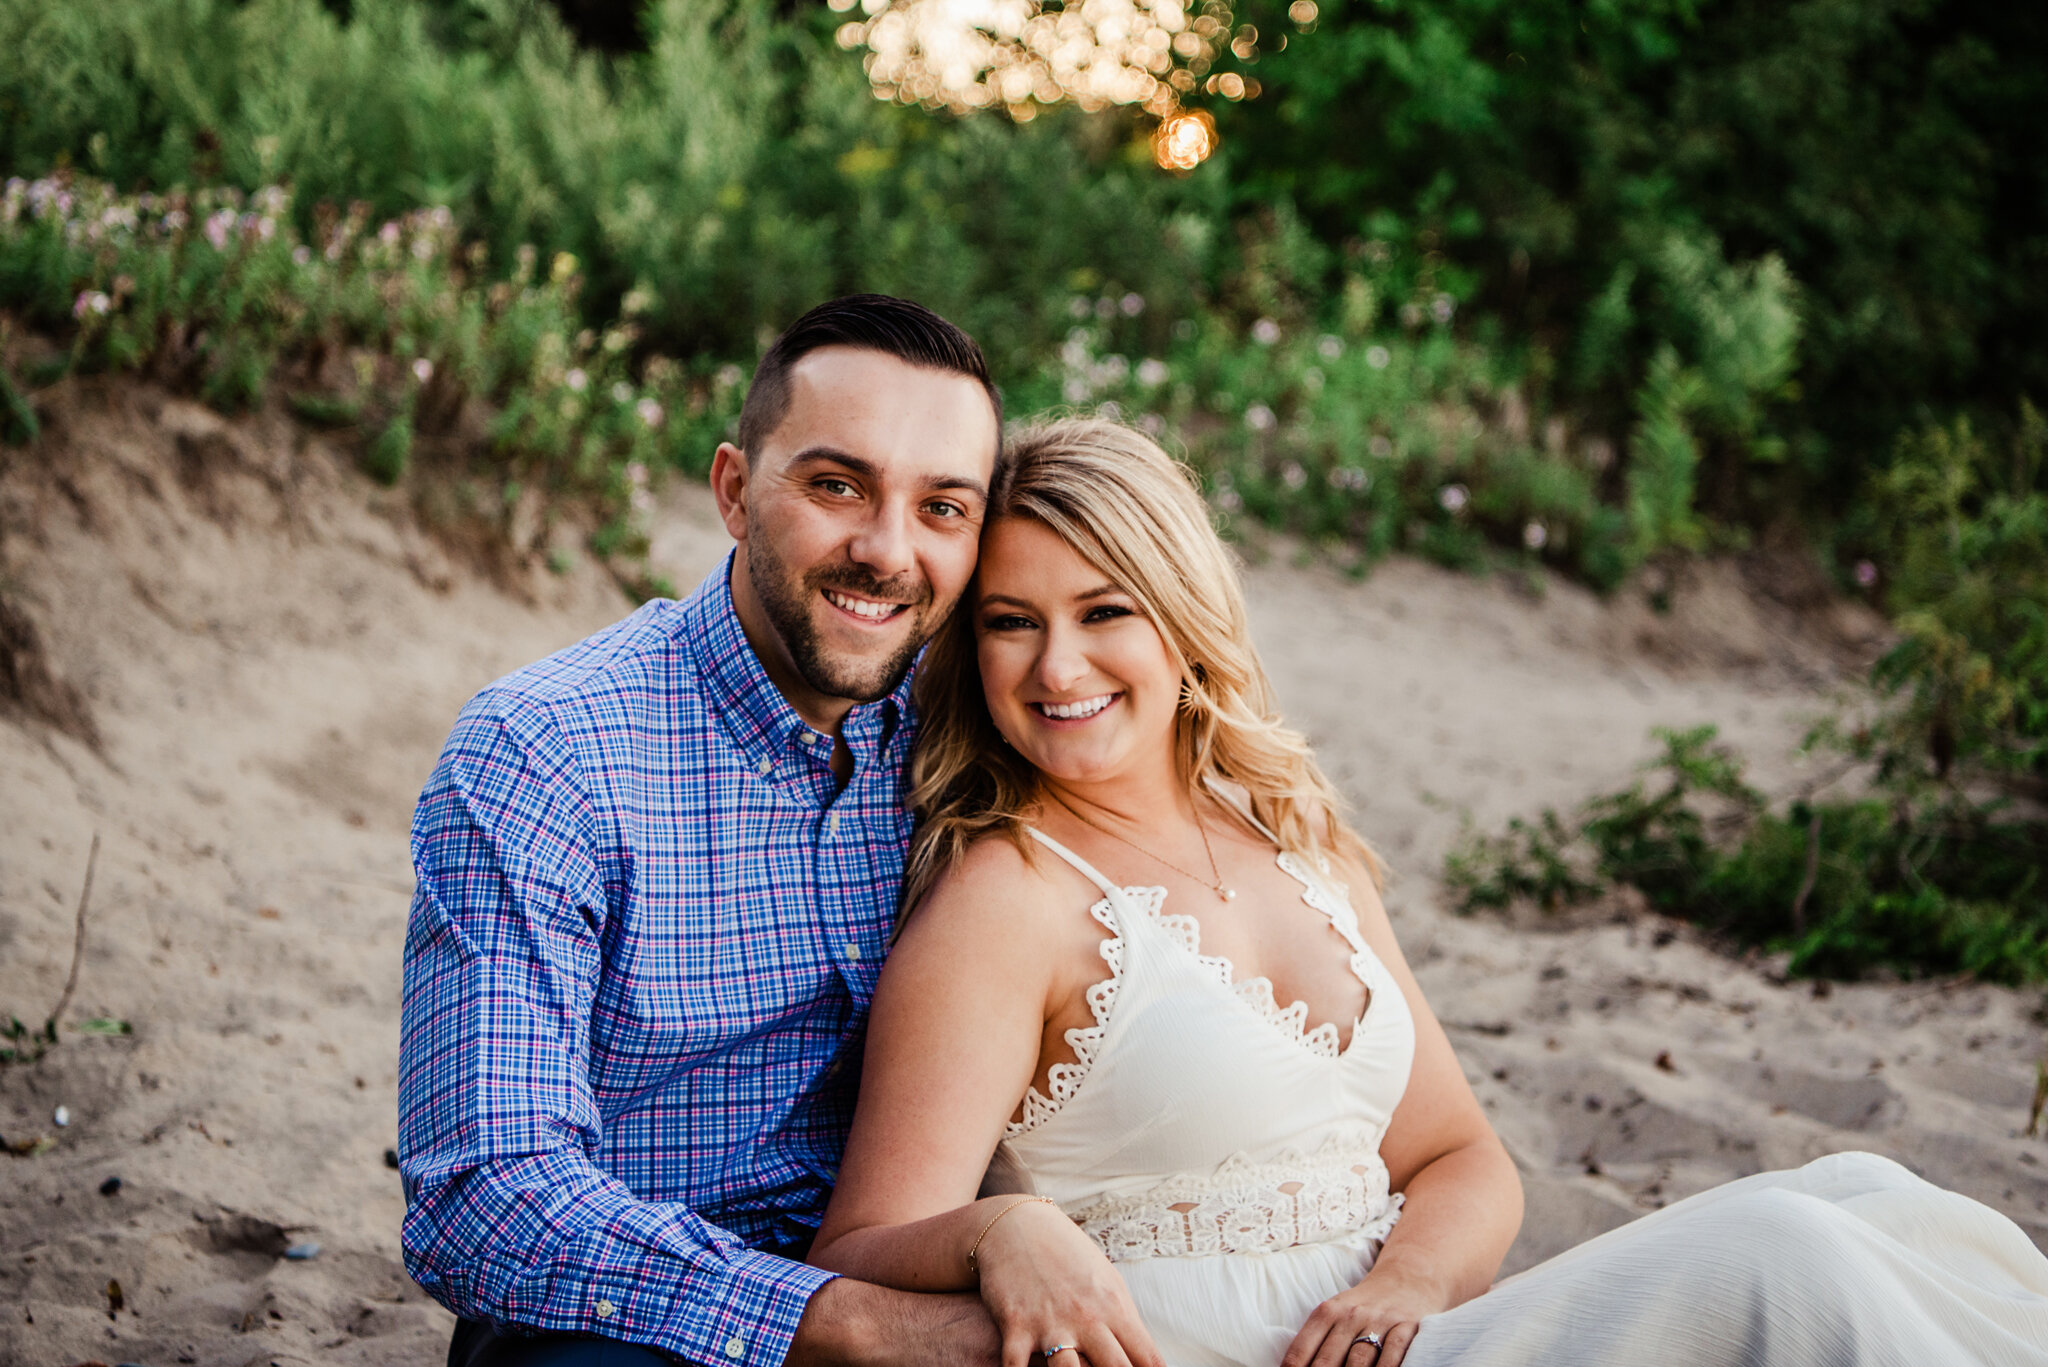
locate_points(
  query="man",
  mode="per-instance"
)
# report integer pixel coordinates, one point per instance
(657, 873)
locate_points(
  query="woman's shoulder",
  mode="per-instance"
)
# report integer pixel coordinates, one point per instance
(1006, 880)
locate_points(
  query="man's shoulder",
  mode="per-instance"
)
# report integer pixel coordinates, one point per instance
(643, 651)
(610, 690)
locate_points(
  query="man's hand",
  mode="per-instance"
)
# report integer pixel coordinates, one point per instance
(858, 1324)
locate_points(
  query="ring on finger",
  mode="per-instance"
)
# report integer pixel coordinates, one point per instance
(1057, 1349)
(1370, 1336)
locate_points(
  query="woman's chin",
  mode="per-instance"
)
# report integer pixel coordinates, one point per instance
(1065, 766)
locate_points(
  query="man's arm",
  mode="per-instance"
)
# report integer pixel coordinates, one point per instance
(507, 1217)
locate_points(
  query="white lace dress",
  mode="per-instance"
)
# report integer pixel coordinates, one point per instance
(1226, 1158)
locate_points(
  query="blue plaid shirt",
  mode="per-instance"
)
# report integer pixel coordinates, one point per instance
(646, 933)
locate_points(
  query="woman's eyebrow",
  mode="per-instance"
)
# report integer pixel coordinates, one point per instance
(1098, 591)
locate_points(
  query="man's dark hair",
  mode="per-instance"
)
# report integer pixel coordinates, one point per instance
(874, 322)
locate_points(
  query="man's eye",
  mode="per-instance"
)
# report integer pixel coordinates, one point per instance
(944, 509)
(837, 487)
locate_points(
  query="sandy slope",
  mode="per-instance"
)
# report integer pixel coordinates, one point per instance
(271, 653)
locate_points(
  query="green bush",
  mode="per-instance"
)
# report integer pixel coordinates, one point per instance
(1743, 243)
(733, 174)
(390, 329)
(1842, 887)
(1385, 439)
(1614, 179)
(1959, 551)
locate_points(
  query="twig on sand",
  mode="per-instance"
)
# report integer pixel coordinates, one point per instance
(1806, 880)
(78, 943)
(2040, 1098)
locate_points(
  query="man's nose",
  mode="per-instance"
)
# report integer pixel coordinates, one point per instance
(884, 543)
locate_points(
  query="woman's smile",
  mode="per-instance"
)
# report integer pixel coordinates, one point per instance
(1073, 713)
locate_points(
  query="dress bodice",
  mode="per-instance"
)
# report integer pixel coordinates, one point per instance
(1200, 1116)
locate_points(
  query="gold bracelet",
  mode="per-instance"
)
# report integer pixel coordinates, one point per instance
(976, 1246)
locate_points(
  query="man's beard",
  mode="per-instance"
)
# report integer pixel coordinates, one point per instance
(788, 603)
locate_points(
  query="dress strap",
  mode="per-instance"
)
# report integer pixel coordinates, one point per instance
(1243, 809)
(1081, 866)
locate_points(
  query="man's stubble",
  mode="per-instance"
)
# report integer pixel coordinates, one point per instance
(787, 598)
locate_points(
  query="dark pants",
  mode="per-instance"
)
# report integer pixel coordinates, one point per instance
(479, 1345)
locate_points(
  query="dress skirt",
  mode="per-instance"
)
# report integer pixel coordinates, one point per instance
(1850, 1261)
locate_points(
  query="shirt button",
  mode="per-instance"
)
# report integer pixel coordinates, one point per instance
(764, 766)
(604, 1309)
(853, 953)
(735, 1347)
(832, 824)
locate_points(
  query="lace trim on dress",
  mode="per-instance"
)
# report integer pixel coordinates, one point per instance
(1257, 993)
(1333, 899)
(1336, 1192)
(1064, 1079)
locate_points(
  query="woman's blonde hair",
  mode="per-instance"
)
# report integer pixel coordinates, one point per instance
(1134, 513)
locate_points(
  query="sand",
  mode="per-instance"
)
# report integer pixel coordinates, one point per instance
(267, 651)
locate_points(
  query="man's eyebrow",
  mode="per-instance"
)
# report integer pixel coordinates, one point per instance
(1099, 591)
(870, 471)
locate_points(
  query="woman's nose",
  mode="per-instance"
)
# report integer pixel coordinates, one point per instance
(1061, 664)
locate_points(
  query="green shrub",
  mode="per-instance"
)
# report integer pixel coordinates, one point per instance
(1960, 553)
(1617, 178)
(1725, 249)
(1842, 887)
(731, 175)
(389, 329)
(1530, 861)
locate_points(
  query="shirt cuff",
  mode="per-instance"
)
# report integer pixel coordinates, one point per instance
(744, 1315)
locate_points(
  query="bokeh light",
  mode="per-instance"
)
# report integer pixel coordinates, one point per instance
(1020, 55)
(1184, 140)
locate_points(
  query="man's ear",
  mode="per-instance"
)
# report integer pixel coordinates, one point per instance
(729, 487)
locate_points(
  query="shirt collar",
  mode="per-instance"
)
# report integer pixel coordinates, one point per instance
(760, 720)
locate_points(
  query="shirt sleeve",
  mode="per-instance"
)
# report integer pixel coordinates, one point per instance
(508, 1219)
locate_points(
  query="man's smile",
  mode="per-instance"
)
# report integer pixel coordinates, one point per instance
(864, 609)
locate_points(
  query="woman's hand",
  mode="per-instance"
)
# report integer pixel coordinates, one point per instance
(1047, 1285)
(1382, 1306)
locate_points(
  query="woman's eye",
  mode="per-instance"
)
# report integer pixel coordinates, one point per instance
(1106, 612)
(1009, 621)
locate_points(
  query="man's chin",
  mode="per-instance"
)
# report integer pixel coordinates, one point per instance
(862, 675)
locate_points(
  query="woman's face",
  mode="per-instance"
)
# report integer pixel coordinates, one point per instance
(1077, 679)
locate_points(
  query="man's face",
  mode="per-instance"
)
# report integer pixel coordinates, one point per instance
(857, 521)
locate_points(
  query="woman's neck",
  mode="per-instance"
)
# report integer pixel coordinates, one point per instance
(1139, 798)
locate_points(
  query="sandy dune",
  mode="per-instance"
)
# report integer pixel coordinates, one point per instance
(270, 652)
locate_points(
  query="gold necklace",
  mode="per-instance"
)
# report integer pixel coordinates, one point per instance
(1214, 882)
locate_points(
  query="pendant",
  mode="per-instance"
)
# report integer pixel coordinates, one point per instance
(1229, 894)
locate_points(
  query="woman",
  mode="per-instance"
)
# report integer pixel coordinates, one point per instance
(1083, 1097)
